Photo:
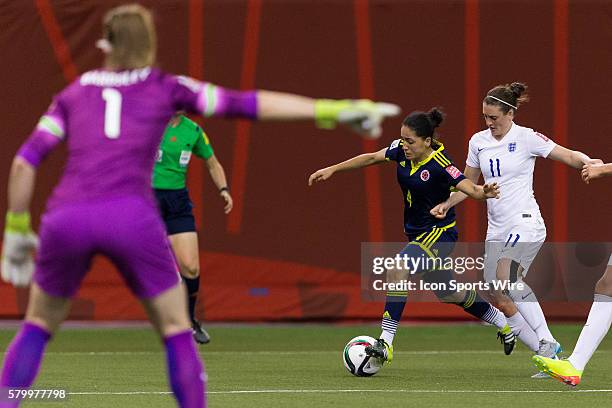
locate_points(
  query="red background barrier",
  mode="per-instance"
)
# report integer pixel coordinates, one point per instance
(288, 252)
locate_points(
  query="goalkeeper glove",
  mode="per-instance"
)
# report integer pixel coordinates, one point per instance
(17, 249)
(362, 115)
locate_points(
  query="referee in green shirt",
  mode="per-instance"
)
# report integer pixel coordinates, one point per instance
(181, 139)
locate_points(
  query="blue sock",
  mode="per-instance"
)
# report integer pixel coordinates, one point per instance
(394, 307)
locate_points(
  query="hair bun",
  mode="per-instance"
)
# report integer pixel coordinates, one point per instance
(436, 116)
(518, 88)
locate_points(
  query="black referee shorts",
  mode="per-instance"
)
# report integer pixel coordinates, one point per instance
(176, 210)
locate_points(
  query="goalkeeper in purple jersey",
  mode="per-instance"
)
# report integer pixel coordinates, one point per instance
(112, 120)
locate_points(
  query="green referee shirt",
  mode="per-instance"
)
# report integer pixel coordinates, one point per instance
(177, 145)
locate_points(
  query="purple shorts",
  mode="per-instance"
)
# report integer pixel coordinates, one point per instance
(127, 230)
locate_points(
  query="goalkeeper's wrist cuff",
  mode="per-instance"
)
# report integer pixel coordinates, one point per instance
(17, 222)
(327, 110)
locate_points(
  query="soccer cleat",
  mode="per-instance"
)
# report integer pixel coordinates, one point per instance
(507, 338)
(561, 370)
(199, 334)
(381, 349)
(548, 349)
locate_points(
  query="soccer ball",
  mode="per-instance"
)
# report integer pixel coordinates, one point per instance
(355, 359)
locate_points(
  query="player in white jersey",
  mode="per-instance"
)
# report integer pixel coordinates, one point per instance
(505, 153)
(600, 316)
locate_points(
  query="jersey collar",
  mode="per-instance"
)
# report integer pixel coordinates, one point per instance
(417, 166)
(500, 141)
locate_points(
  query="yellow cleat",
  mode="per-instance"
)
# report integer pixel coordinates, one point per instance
(381, 349)
(561, 370)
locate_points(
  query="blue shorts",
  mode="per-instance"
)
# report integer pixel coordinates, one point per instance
(176, 210)
(436, 242)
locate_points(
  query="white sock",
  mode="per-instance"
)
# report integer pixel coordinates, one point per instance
(525, 333)
(389, 328)
(495, 317)
(528, 305)
(595, 329)
(387, 336)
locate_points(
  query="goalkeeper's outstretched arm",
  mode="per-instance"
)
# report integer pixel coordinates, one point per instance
(361, 115)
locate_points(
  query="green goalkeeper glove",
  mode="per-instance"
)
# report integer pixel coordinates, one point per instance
(362, 115)
(17, 249)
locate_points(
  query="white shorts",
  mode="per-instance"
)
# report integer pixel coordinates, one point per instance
(520, 242)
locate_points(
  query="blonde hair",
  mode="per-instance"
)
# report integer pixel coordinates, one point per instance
(130, 31)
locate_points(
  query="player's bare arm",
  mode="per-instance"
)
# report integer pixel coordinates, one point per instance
(478, 192)
(21, 185)
(572, 158)
(357, 162)
(595, 171)
(218, 176)
(19, 240)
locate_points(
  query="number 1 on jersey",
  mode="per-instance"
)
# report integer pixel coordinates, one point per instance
(112, 112)
(493, 170)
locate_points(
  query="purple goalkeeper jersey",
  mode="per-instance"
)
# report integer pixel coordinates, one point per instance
(112, 123)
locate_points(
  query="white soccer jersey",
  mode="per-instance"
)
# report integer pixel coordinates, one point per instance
(509, 163)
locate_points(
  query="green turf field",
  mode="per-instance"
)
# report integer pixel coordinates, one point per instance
(301, 366)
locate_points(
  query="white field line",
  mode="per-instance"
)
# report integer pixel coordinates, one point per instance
(341, 391)
(282, 353)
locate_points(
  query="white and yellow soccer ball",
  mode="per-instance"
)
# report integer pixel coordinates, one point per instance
(355, 359)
